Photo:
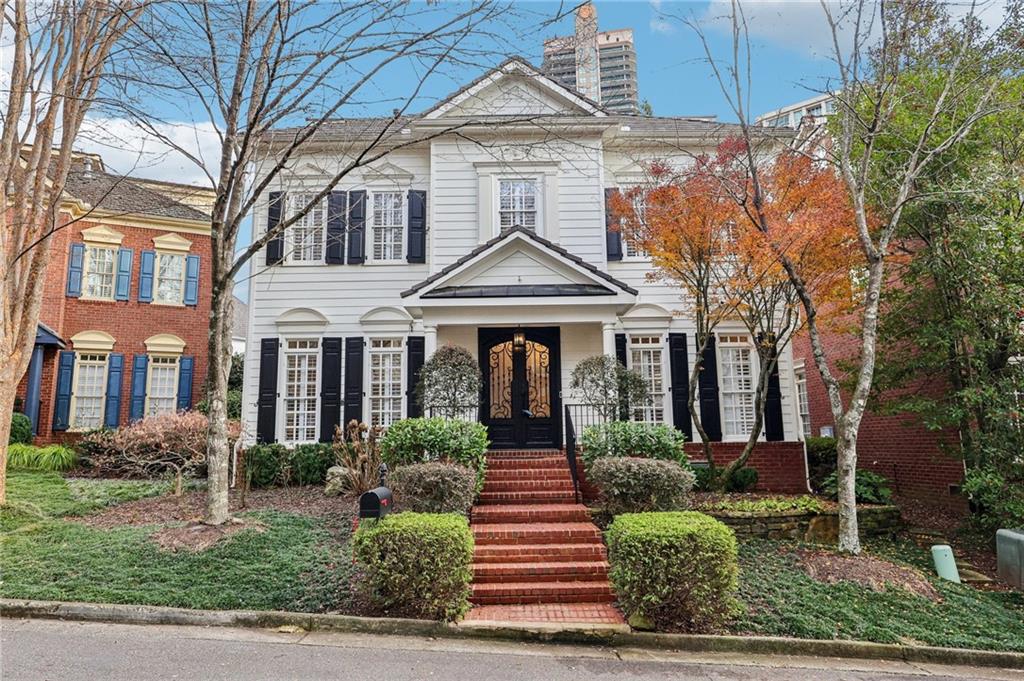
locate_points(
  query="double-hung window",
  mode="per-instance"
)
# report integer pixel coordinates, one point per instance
(305, 241)
(646, 359)
(162, 385)
(517, 203)
(89, 391)
(803, 402)
(632, 248)
(170, 278)
(388, 226)
(385, 381)
(736, 378)
(301, 381)
(99, 272)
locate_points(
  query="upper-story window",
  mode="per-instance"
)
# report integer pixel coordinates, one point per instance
(170, 278)
(305, 242)
(632, 249)
(736, 371)
(99, 272)
(388, 226)
(517, 203)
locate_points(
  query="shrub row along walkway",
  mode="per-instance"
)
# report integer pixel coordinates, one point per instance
(538, 557)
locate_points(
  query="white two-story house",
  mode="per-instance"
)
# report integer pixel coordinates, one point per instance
(493, 237)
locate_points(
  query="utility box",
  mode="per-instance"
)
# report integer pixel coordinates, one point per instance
(1010, 557)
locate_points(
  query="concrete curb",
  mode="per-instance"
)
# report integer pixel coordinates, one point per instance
(540, 632)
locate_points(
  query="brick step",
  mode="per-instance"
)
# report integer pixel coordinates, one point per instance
(571, 571)
(540, 497)
(536, 533)
(523, 453)
(495, 474)
(527, 485)
(557, 462)
(530, 513)
(510, 593)
(589, 615)
(536, 553)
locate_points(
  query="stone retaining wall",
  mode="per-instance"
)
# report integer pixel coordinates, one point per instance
(807, 526)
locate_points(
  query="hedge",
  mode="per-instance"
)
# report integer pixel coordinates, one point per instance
(633, 438)
(633, 485)
(433, 487)
(420, 440)
(21, 430)
(674, 571)
(415, 565)
(274, 464)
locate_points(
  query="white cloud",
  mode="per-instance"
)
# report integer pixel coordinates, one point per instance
(658, 23)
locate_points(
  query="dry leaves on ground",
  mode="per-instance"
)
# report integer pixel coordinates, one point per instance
(874, 573)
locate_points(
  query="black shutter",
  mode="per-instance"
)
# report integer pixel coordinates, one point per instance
(417, 226)
(266, 401)
(679, 368)
(330, 389)
(773, 429)
(417, 355)
(356, 227)
(275, 247)
(336, 206)
(710, 417)
(620, 349)
(353, 380)
(613, 236)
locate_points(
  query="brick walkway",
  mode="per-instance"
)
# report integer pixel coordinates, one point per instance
(538, 558)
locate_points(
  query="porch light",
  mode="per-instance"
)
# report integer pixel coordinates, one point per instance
(519, 339)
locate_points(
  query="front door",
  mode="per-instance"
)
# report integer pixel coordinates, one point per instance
(520, 404)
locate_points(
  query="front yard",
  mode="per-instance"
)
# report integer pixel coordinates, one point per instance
(93, 540)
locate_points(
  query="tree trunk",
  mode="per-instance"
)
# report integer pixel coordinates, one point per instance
(760, 398)
(8, 387)
(698, 363)
(218, 453)
(846, 476)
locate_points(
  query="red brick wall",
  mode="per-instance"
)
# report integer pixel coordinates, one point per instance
(129, 322)
(898, 446)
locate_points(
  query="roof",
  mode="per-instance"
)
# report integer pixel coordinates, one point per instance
(519, 291)
(47, 336)
(121, 194)
(575, 259)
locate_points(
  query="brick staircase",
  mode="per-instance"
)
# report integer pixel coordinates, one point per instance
(538, 557)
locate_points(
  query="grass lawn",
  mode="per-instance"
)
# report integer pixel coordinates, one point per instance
(781, 599)
(295, 563)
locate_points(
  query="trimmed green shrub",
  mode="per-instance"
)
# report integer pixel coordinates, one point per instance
(997, 502)
(421, 440)
(741, 479)
(634, 485)
(433, 487)
(633, 438)
(54, 458)
(871, 488)
(275, 465)
(266, 464)
(308, 464)
(415, 565)
(21, 430)
(821, 459)
(674, 571)
(801, 504)
(449, 383)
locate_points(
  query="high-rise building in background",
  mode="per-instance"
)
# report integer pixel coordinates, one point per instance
(598, 65)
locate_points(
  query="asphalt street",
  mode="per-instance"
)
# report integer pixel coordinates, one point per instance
(74, 651)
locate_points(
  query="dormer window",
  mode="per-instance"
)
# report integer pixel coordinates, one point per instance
(517, 203)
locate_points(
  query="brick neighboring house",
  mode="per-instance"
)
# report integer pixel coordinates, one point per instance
(918, 461)
(123, 323)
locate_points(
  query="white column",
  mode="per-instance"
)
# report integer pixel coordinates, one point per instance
(429, 340)
(608, 338)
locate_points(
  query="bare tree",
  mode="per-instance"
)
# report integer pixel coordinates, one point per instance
(269, 78)
(59, 51)
(878, 48)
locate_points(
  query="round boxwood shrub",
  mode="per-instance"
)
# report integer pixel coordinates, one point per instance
(420, 440)
(266, 464)
(433, 487)
(415, 565)
(634, 485)
(21, 430)
(633, 438)
(673, 571)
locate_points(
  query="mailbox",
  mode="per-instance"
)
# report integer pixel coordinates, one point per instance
(376, 503)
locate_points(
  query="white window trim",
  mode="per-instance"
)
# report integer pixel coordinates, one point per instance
(289, 233)
(86, 268)
(666, 378)
(642, 256)
(74, 390)
(149, 377)
(755, 373)
(368, 373)
(538, 182)
(800, 379)
(371, 231)
(282, 377)
(488, 174)
(156, 277)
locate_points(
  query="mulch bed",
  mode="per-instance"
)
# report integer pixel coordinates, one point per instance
(875, 573)
(196, 537)
(190, 507)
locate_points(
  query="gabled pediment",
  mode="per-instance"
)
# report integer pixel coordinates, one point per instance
(387, 171)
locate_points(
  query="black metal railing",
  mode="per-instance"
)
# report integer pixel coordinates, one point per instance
(570, 453)
(454, 412)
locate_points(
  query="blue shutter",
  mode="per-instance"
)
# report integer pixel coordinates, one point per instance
(138, 405)
(75, 263)
(124, 274)
(185, 365)
(62, 405)
(112, 408)
(147, 265)
(192, 280)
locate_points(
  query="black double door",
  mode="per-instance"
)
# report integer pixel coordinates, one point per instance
(521, 406)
